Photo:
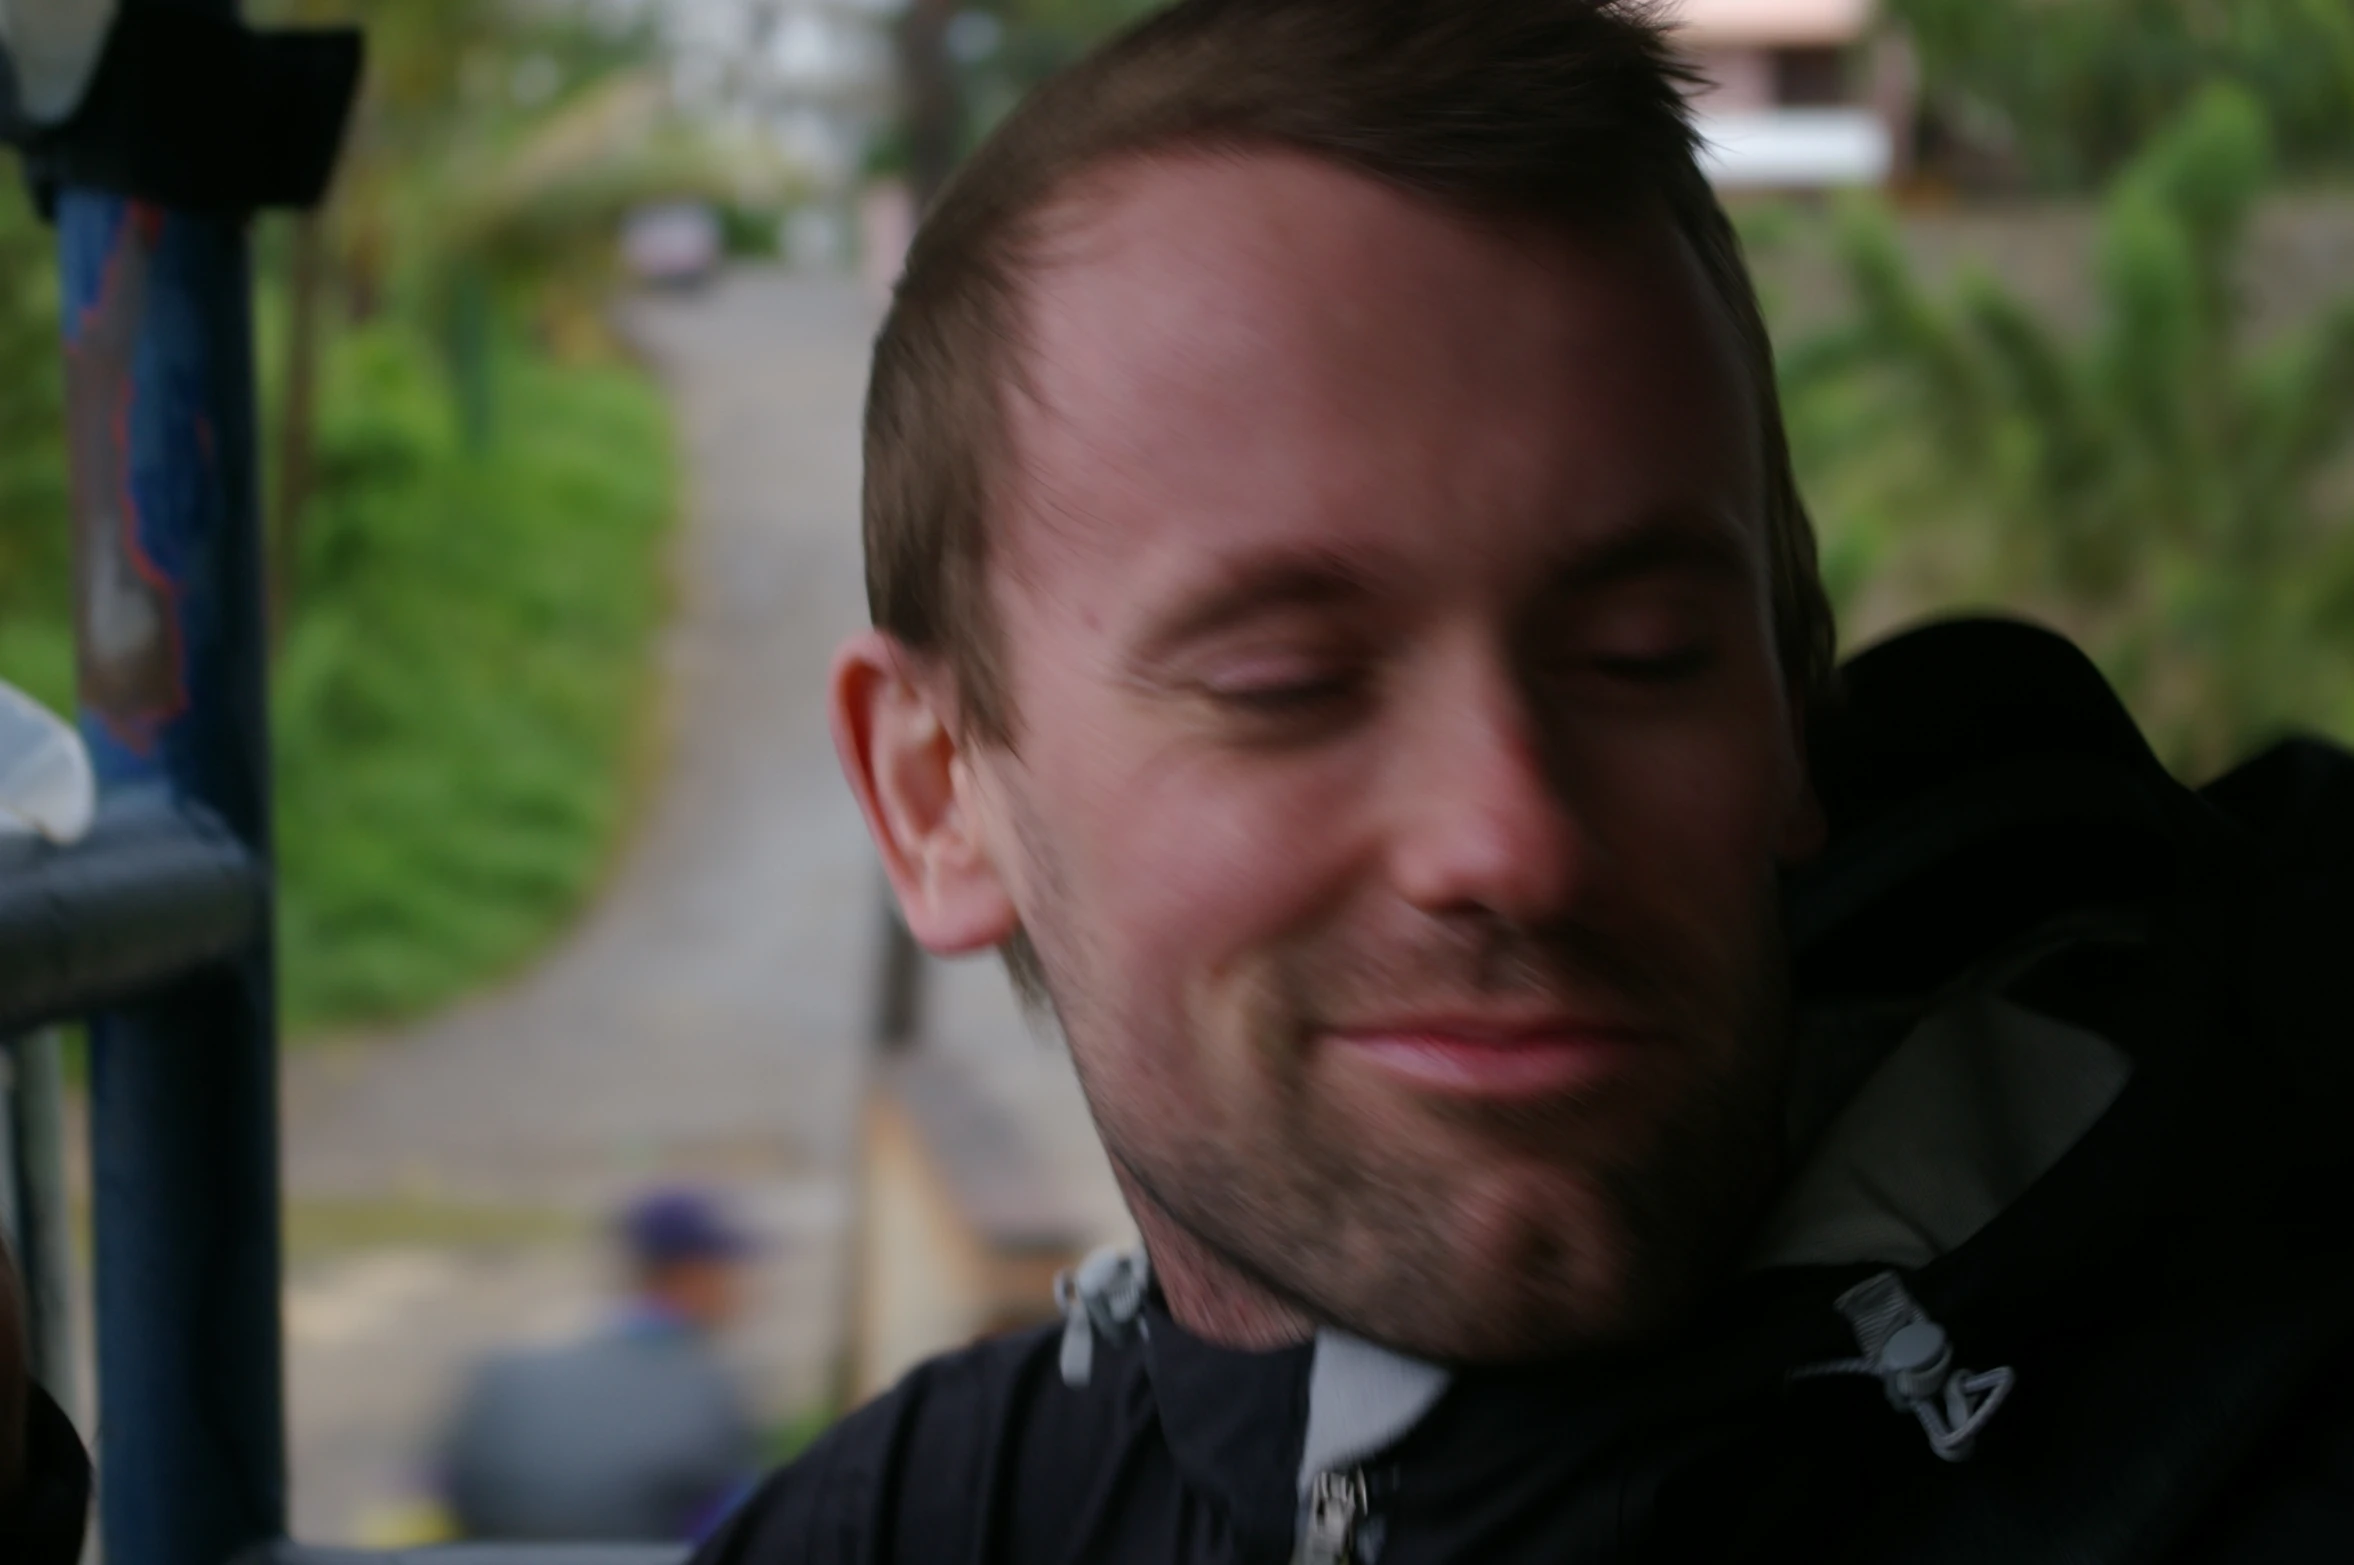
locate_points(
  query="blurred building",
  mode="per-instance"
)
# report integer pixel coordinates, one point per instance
(813, 77)
(965, 1229)
(1802, 94)
(981, 1177)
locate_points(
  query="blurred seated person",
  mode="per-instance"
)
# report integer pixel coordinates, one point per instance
(637, 1433)
(44, 1475)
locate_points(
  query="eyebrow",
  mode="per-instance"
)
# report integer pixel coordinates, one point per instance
(1688, 543)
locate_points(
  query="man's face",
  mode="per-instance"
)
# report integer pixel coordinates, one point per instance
(704, 1291)
(1401, 758)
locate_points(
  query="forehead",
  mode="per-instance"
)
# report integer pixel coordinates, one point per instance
(1225, 351)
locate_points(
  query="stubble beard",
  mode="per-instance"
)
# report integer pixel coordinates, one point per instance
(1459, 1231)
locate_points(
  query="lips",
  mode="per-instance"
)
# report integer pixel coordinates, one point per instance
(1476, 1060)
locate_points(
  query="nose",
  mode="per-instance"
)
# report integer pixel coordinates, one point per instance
(1479, 823)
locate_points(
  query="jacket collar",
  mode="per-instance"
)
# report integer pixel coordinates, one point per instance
(1234, 1421)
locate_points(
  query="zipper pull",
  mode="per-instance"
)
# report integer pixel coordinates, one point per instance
(1336, 1502)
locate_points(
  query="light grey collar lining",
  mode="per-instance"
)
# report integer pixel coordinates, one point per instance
(1976, 1104)
(1362, 1397)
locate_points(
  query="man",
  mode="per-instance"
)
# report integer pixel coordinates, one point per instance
(1345, 628)
(634, 1435)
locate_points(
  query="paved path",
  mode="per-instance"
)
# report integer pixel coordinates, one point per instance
(701, 1023)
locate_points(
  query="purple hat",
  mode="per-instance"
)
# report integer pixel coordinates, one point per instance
(682, 1225)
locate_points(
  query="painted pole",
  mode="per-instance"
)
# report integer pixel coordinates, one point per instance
(150, 129)
(168, 567)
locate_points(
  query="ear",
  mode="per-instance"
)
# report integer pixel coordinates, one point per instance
(896, 735)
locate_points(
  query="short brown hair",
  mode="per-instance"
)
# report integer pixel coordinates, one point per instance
(1565, 111)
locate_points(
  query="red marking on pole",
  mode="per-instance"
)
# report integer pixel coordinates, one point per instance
(136, 694)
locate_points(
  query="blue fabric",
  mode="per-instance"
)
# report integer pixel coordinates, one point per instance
(635, 1435)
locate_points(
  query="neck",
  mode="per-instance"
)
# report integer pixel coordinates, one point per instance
(1208, 1294)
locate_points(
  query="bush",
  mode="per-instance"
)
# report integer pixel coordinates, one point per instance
(2077, 87)
(2169, 491)
(36, 537)
(457, 695)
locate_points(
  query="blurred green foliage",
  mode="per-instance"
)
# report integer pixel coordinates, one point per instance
(2177, 496)
(750, 232)
(2073, 89)
(1043, 36)
(462, 675)
(457, 702)
(36, 651)
(1036, 39)
(486, 128)
(496, 148)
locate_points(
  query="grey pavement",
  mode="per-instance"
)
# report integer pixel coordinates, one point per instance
(700, 1015)
(703, 1020)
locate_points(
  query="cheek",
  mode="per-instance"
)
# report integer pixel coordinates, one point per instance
(1687, 818)
(1177, 864)
(1227, 854)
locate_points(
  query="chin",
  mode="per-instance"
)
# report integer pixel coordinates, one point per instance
(1540, 1262)
(1536, 1271)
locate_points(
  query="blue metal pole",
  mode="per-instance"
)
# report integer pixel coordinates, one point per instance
(168, 580)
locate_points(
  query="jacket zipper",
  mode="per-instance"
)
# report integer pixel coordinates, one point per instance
(1336, 1503)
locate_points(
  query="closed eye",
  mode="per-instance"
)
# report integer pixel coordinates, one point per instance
(1289, 696)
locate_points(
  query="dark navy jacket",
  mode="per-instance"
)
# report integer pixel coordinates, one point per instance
(2076, 1067)
(42, 1523)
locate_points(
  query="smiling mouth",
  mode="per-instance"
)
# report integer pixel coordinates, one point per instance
(1543, 1059)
